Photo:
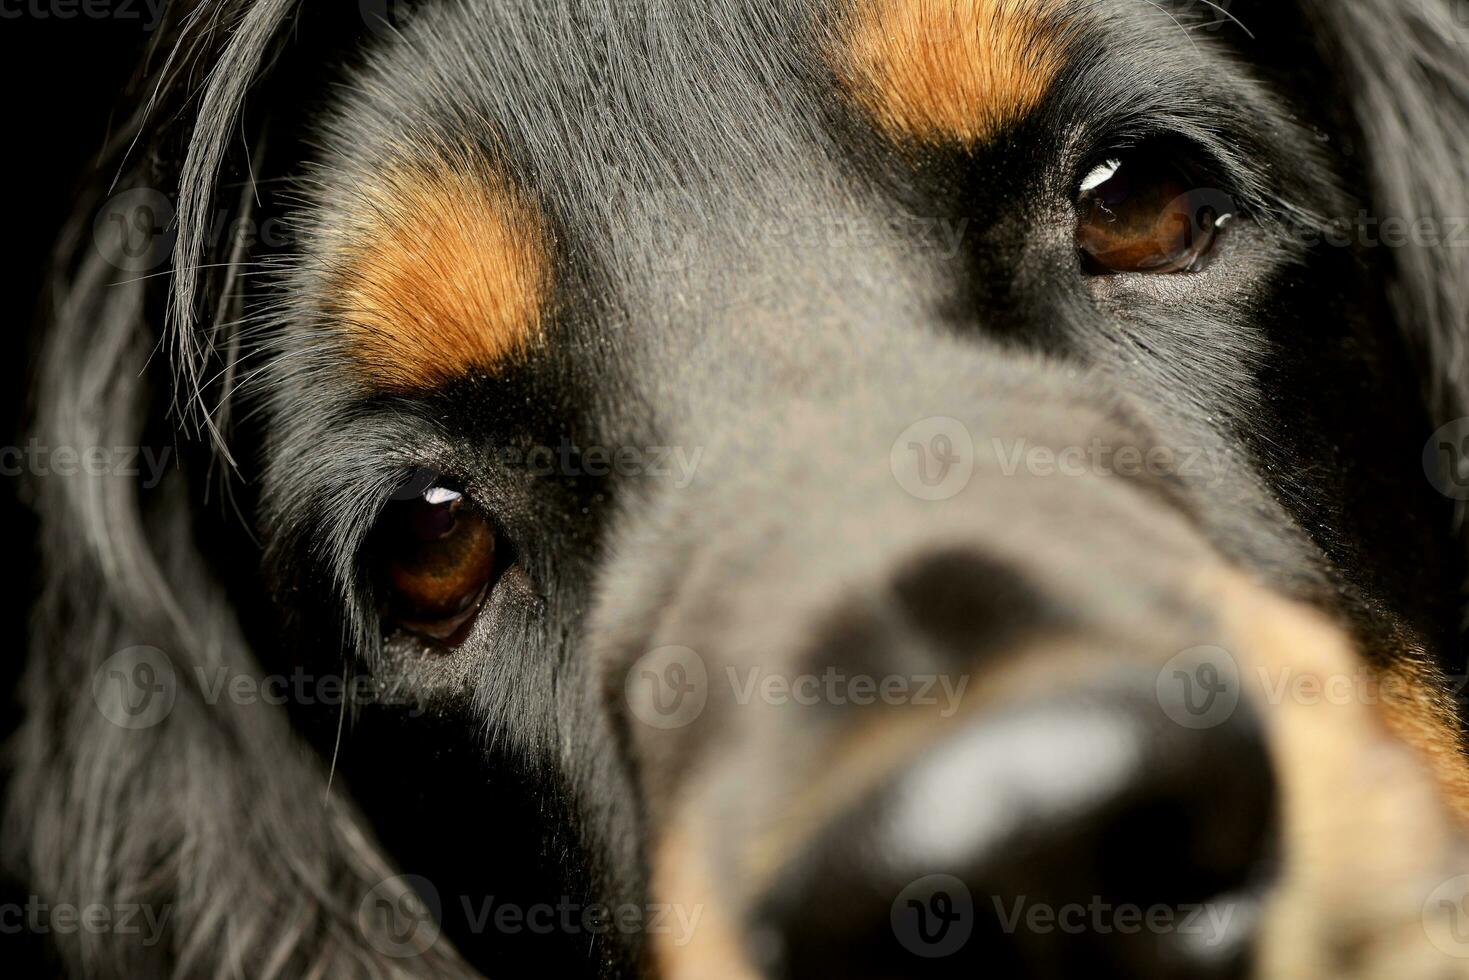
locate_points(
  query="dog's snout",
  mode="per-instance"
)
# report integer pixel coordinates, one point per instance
(1085, 834)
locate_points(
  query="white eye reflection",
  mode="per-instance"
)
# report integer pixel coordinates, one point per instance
(440, 495)
(1100, 175)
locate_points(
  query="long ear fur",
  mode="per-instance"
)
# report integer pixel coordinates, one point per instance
(1405, 72)
(214, 824)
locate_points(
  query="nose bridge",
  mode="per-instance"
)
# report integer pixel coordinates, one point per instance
(995, 458)
(809, 540)
(783, 274)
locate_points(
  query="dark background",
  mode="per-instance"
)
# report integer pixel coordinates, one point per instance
(60, 77)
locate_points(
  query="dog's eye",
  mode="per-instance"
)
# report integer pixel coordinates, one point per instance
(1142, 213)
(436, 562)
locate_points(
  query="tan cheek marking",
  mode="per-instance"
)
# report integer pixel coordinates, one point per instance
(1420, 711)
(1368, 832)
(715, 949)
(446, 272)
(945, 70)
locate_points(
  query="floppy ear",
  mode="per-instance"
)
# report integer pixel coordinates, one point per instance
(137, 783)
(1404, 68)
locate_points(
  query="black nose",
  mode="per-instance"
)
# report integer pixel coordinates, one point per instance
(1087, 835)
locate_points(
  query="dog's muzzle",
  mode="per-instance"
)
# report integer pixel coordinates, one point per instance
(1040, 728)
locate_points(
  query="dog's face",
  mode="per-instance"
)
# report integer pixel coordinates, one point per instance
(835, 469)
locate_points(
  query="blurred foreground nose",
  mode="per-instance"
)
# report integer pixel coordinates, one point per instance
(1085, 835)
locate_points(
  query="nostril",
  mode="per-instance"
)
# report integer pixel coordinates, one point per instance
(943, 594)
(1198, 824)
(1094, 801)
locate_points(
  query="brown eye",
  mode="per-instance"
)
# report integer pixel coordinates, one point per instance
(436, 563)
(1141, 213)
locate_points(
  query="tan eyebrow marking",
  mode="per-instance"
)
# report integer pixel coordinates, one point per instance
(949, 70)
(445, 272)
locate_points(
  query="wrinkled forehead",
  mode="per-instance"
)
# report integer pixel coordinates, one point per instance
(492, 156)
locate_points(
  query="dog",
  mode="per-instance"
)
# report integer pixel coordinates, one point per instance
(864, 488)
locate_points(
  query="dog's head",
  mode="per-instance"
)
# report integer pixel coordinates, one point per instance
(876, 488)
